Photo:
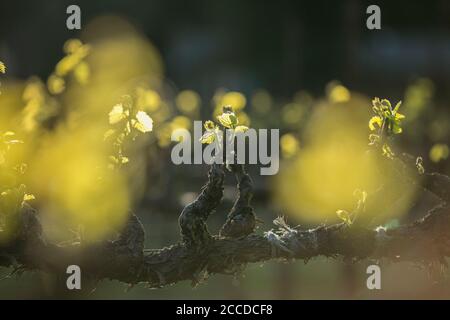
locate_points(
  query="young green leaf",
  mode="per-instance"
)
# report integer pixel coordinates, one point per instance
(208, 137)
(209, 125)
(375, 120)
(387, 152)
(144, 122)
(397, 106)
(396, 129)
(228, 120)
(28, 197)
(241, 129)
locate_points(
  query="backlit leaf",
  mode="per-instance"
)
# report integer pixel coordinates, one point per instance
(208, 138)
(144, 122)
(344, 216)
(117, 114)
(28, 197)
(241, 129)
(228, 120)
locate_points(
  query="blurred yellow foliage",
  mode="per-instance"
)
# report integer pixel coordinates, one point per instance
(292, 113)
(289, 145)
(439, 152)
(417, 96)
(188, 102)
(337, 93)
(76, 52)
(120, 61)
(39, 106)
(71, 178)
(10, 103)
(147, 99)
(235, 99)
(181, 122)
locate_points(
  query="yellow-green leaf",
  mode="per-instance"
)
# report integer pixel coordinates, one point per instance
(387, 152)
(8, 134)
(208, 138)
(397, 106)
(376, 103)
(113, 159)
(117, 114)
(344, 216)
(399, 116)
(396, 129)
(241, 129)
(438, 152)
(14, 141)
(209, 125)
(28, 197)
(2, 67)
(144, 122)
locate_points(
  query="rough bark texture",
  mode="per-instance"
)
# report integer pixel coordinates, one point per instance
(199, 253)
